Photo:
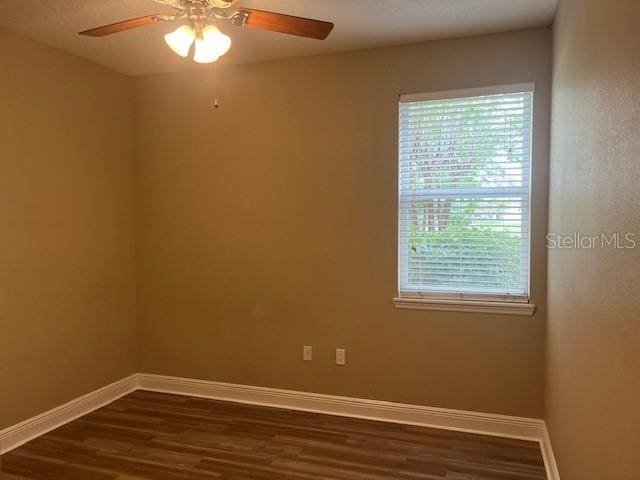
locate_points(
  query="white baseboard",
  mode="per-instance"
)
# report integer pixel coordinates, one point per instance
(16, 435)
(488, 424)
(458, 420)
(549, 458)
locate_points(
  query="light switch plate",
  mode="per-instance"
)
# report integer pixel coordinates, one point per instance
(307, 353)
(341, 356)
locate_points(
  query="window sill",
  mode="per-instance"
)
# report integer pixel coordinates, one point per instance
(477, 306)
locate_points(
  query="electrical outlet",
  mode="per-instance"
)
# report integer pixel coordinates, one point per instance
(341, 356)
(307, 353)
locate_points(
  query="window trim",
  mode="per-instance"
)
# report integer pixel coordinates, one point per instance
(468, 92)
(466, 305)
(458, 301)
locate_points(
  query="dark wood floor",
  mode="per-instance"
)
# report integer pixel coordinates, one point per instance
(157, 436)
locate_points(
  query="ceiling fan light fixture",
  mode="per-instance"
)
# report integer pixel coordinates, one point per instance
(181, 39)
(211, 46)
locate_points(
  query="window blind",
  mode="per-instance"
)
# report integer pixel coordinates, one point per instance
(464, 186)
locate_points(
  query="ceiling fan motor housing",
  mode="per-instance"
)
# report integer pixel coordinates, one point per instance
(221, 3)
(206, 4)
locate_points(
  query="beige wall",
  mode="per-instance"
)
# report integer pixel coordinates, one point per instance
(67, 277)
(593, 373)
(271, 223)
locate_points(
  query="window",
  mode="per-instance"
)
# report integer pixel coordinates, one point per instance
(464, 185)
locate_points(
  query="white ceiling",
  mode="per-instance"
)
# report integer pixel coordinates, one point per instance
(358, 24)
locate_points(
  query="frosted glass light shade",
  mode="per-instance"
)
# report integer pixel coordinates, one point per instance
(211, 46)
(180, 40)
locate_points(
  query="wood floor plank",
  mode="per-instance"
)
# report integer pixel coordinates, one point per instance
(157, 436)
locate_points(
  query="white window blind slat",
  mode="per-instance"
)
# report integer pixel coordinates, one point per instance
(464, 186)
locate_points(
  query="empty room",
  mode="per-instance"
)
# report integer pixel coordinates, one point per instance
(319, 240)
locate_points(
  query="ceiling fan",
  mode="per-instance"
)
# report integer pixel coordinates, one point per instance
(199, 27)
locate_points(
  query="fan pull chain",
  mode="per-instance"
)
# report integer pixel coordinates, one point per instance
(216, 101)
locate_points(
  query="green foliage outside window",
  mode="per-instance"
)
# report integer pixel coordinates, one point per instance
(469, 239)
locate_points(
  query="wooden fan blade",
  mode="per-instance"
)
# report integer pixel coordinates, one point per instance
(278, 22)
(122, 26)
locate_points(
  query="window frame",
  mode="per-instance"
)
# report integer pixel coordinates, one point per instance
(458, 299)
